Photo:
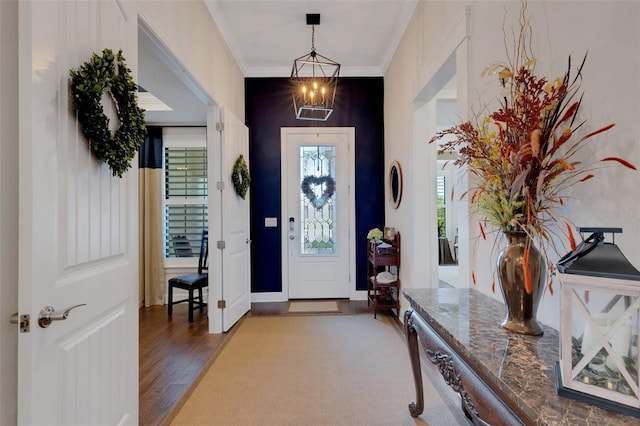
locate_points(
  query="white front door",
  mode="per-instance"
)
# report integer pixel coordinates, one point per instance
(78, 229)
(317, 211)
(232, 262)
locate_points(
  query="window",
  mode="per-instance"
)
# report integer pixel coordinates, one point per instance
(441, 191)
(185, 190)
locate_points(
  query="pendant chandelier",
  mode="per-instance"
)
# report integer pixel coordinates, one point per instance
(314, 78)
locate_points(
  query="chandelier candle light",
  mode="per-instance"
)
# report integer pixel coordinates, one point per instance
(314, 79)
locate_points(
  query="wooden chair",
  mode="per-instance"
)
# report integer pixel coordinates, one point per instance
(193, 282)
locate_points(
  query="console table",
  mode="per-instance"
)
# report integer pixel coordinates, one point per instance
(502, 378)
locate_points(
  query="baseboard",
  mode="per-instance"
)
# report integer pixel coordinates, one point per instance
(268, 297)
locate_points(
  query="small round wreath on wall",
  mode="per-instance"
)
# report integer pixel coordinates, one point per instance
(240, 176)
(108, 74)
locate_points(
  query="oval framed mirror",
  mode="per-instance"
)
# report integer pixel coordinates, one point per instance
(395, 184)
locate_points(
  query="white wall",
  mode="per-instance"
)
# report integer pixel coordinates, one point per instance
(435, 30)
(607, 30)
(188, 31)
(192, 37)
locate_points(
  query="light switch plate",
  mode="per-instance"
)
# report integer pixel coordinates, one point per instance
(270, 222)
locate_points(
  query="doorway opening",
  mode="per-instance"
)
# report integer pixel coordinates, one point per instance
(177, 121)
(441, 103)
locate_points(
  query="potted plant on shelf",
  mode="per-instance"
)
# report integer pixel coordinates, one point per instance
(374, 235)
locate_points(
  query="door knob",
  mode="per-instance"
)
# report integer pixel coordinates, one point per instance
(48, 314)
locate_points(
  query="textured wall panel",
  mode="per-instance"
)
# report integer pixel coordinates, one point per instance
(93, 349)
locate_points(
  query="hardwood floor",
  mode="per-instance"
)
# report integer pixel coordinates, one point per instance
(173, 353)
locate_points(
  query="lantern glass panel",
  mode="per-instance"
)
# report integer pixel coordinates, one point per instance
(600, 311)
(604, 350)
(599, 338)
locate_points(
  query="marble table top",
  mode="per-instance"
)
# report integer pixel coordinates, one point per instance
(521, 366)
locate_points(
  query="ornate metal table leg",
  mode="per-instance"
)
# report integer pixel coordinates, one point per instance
(415, 408)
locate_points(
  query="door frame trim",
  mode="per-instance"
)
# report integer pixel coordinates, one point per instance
(351, 135)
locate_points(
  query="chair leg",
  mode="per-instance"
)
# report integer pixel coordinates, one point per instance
(190, 305)
(201, 299)
(170, 307)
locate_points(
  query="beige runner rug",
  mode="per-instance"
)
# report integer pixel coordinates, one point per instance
(314, 370)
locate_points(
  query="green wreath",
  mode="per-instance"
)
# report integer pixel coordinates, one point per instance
(108, 74)
(240, 176)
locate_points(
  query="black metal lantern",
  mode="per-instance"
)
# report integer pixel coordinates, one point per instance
(314, 78)
(600, 313)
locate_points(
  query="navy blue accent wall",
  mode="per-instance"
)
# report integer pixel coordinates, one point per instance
(150, 154)
(268, 107)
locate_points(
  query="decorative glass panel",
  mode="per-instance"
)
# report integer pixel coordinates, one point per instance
(318, 200)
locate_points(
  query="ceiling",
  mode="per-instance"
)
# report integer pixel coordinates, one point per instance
(265, 36)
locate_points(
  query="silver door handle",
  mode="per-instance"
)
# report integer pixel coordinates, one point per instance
(48, 314)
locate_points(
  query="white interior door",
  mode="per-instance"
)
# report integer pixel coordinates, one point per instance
(78, 230)
(235, 256)
(317, 206)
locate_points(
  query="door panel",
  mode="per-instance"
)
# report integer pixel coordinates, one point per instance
(78, 229)
(236, 264)
(317, 201)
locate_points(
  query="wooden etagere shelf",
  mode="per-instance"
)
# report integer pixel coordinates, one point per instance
(383, 275)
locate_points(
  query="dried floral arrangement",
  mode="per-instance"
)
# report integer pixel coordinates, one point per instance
(523, 156)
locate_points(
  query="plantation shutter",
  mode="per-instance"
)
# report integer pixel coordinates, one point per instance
(186, 190)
